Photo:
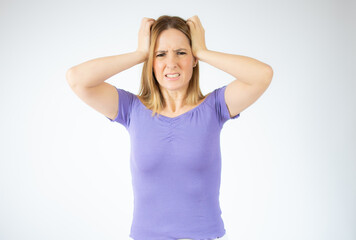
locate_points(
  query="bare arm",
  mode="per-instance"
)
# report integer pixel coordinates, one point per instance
(245, 69)
(252, 76)
(87, 80)
(96, 71)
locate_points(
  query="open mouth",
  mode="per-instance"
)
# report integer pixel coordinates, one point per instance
(172, 76)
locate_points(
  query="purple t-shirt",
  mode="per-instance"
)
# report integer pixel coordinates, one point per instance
(175, 168)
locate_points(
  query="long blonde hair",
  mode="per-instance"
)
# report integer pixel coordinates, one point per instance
(149, 92)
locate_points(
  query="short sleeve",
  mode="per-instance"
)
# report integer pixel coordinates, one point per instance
(221, 107)
(125, 103)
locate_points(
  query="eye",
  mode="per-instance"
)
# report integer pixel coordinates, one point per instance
(162, 54)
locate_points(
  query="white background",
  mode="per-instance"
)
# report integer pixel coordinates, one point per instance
(289, 160)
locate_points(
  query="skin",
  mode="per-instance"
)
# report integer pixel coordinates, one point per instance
(172, 61)
(252, 76)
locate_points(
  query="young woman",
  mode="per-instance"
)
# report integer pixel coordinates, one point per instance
(174, 129)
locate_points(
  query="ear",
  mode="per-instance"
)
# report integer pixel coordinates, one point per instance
(195, 61)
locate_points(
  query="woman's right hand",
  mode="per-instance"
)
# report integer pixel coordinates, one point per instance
(144, 36)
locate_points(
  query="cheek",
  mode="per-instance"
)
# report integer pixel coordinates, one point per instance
(157, 67)
(188, 63)
(188, 67)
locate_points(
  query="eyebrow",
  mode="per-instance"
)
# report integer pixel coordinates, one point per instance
(179, 49)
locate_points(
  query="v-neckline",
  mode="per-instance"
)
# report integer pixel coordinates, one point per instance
(179, 116)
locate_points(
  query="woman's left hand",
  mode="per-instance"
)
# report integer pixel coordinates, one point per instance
(198, 35)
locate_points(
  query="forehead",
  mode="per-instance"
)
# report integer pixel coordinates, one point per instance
(171, 38)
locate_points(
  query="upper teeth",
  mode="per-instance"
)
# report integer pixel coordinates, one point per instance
(172, 76)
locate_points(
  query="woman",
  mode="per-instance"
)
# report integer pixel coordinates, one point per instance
(174, 129)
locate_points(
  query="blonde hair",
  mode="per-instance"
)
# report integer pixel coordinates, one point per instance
(149, 92)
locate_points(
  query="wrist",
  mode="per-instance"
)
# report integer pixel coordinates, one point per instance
(142, 55)
(200, 54)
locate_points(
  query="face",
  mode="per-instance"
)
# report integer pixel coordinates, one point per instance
(173, 55)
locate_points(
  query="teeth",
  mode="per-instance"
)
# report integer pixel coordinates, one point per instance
(173, 76)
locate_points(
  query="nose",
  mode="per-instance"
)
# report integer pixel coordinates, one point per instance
(172, 61)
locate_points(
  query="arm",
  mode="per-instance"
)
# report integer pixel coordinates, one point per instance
(246, 69)
(87, 80)
(96, 71)
(252, 76)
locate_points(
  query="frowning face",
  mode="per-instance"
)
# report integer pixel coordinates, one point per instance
(173, 60)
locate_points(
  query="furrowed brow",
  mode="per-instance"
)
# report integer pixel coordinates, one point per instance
(179, 49)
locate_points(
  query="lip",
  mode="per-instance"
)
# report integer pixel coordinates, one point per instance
(171, 79)
(171, 73)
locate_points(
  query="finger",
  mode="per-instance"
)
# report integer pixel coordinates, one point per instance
(195, 21)
(194, 18)
(148, 27)
(190, 23)
(150, 23)
(147, 20)
(190, 19)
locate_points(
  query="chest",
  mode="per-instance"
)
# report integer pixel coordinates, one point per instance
(183, 142)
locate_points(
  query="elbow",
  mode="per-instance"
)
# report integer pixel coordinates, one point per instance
(268, 75)
(69, 77)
